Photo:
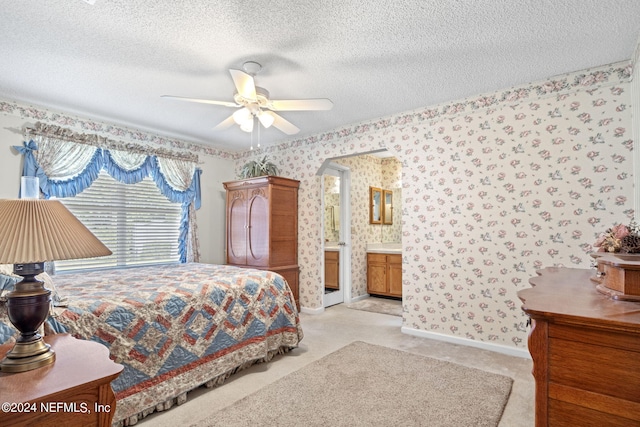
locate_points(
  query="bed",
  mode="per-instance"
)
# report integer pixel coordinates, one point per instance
(174, 327)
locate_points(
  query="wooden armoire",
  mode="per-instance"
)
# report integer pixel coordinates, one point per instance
(262, 226)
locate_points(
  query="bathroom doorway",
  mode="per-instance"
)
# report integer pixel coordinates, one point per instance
(337, 234)
(371, 169)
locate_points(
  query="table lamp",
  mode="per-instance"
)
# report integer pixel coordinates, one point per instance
(33, 231)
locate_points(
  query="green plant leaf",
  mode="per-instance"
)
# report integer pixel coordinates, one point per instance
(259, 167)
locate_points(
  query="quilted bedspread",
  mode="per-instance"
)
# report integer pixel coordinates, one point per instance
(177, 327)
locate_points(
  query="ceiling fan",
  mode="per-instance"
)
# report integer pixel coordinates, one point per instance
(253, 102)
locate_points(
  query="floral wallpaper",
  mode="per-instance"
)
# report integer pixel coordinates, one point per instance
(391, 170)
(494, 187)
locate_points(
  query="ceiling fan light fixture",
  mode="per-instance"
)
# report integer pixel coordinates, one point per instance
(247, 126)
(266, 118)
(242, 116)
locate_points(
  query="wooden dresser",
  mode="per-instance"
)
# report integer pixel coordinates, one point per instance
(262, 226)
(73, 391)
(585, 349)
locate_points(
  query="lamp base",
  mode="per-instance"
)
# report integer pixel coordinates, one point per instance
(25, 356)
(28, 307)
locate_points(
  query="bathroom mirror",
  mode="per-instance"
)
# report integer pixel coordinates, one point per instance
(375, 205)
(387, 211)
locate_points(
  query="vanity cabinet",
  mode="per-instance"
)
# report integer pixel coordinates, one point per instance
(332, 269)
(262, 226)
(384, 274)
(585, 349)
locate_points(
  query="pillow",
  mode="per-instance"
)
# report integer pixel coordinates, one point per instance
(8, 281)
(57, 300)
(7, 278)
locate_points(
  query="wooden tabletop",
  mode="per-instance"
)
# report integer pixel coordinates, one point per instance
(569, 295)
(77, 362)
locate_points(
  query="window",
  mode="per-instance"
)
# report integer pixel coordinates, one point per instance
(135, 221)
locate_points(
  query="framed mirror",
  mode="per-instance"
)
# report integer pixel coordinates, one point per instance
(375, 205)
(387, 203)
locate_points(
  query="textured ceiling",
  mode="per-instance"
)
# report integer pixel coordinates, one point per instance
(112, 60)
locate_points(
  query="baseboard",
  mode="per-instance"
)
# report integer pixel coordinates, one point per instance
(306, 310)
(510, 351)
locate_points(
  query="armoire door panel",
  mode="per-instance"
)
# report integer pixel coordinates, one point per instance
(258, 216)
(237, 228)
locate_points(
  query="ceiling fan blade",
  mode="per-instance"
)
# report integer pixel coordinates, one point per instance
(225, 124)
(202, 101)
(245, 85)
(284, 125)
(300, 104)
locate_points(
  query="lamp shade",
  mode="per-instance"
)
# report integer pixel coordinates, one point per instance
(36, 230)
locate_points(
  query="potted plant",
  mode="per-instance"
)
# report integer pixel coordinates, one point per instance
(258, 167)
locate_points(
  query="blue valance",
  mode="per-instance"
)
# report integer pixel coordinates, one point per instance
(168, 175)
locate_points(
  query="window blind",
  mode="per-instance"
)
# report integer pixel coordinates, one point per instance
(135, 221)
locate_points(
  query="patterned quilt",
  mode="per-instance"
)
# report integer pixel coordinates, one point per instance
(176, 327)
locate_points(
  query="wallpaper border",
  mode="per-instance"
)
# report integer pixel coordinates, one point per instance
(588, 79)
(78, 123)
(591, 78)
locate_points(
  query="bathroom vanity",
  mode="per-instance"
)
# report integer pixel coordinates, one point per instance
(384, 269)
(332, 267)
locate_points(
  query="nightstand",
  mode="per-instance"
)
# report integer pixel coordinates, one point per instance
(73, 391)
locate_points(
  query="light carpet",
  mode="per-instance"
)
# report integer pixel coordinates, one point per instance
(368, 385)
(378, 305)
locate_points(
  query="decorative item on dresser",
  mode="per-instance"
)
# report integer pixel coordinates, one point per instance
(618, 262)
(585, 348)
(618, 275)
(262, 226)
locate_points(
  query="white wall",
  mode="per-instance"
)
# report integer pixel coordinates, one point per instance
(10, 160)
(212, 214)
